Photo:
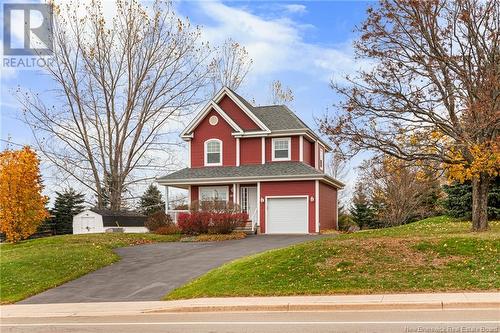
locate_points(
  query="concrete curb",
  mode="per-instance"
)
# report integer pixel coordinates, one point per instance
(331, 307)
(430, 301)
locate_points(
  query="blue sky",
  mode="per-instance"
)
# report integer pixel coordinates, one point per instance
(303, 44)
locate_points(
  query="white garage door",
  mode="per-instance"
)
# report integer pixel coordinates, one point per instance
(287, 215)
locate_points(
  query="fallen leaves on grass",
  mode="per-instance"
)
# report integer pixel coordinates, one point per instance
(215, 238)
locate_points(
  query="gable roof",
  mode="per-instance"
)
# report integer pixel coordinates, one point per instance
(269, 118)
(290, 170)
(275, 117)
(203, 113)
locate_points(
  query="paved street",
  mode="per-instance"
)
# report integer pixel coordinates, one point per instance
(148, 272)
(477, 320)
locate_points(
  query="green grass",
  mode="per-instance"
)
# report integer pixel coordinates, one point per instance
(32, 266)
(436, 254)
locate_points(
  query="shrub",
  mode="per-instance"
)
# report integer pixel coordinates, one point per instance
(212, 217)
(170, 229)
(193, 223)
(346, 222)
(158, 220)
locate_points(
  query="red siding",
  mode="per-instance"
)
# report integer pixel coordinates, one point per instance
(194, 193)
(205, 131)
(308, 152)
(295, 148)
(250, 151)
(306, 187)
(327, 207)
(238, 115)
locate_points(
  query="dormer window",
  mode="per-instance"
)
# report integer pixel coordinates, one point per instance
(281, 149)
(213, 152)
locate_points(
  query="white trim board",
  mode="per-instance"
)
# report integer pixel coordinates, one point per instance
(249, 113)
(187, 132)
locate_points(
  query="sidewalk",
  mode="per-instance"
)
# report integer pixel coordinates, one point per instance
(437, 301)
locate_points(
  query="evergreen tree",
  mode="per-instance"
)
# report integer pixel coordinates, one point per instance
(361, 210)
(151, 201)
(67, 204)
(458, 202)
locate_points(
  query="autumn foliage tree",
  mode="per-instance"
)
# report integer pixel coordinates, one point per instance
(433, 92)
(22, 205)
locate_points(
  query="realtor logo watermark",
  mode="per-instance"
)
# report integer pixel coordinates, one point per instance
(27, 35)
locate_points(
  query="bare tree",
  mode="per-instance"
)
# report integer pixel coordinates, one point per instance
(433, 94)
(280, 94)
(122, 84)
(230, 66)
(399, 193)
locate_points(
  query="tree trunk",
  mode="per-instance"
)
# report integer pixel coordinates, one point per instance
(115, 196)
(480, 189)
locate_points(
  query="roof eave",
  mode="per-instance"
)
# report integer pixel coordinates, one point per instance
(230, 180)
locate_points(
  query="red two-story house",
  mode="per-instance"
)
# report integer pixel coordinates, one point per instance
(263, 158)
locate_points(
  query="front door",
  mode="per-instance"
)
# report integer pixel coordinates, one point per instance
(249, 202)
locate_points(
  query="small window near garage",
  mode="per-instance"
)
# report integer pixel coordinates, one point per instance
(213, 152)
(281, 149)
(321, 158)
(214, 193)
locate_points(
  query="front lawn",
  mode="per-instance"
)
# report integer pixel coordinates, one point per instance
(32, 266)
(436, 254)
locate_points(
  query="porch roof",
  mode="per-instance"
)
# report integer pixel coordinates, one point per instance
(250, 172)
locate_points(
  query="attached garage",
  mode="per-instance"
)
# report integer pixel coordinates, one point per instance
(287, 215)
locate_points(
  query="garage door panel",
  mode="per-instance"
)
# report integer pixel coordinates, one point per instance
(287, 215)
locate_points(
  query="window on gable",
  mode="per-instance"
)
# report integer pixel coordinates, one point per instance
(281, 149)
(213, 152)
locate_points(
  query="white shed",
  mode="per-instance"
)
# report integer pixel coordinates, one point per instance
(92, 221)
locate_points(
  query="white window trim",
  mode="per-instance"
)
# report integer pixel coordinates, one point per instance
(211, 188)
(263, 150)
(301, 149)
(205, 153)
(321, 158)
(289, 157)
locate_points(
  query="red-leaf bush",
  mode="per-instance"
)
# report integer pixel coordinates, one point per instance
(211, 217)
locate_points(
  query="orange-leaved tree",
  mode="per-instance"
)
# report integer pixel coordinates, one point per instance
(22, 205)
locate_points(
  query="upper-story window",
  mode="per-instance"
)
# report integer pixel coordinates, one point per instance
(321, 158)
(281, 149)
(213, 152)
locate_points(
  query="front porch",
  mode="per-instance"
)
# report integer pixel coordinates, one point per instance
(245, 195)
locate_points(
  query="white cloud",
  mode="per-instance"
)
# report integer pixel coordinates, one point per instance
(295, 8)
(277, 45)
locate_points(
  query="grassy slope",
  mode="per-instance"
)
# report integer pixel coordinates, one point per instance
(436, 254)
(32, 266)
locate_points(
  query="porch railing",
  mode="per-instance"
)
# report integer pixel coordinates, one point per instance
(174, 214)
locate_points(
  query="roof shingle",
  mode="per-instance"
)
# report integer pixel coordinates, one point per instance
(250, 170)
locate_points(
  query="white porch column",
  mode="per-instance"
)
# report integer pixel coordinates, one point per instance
(235, 191)
(167, 199)
(258, 203)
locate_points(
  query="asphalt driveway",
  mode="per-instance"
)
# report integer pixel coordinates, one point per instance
(148, 272)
